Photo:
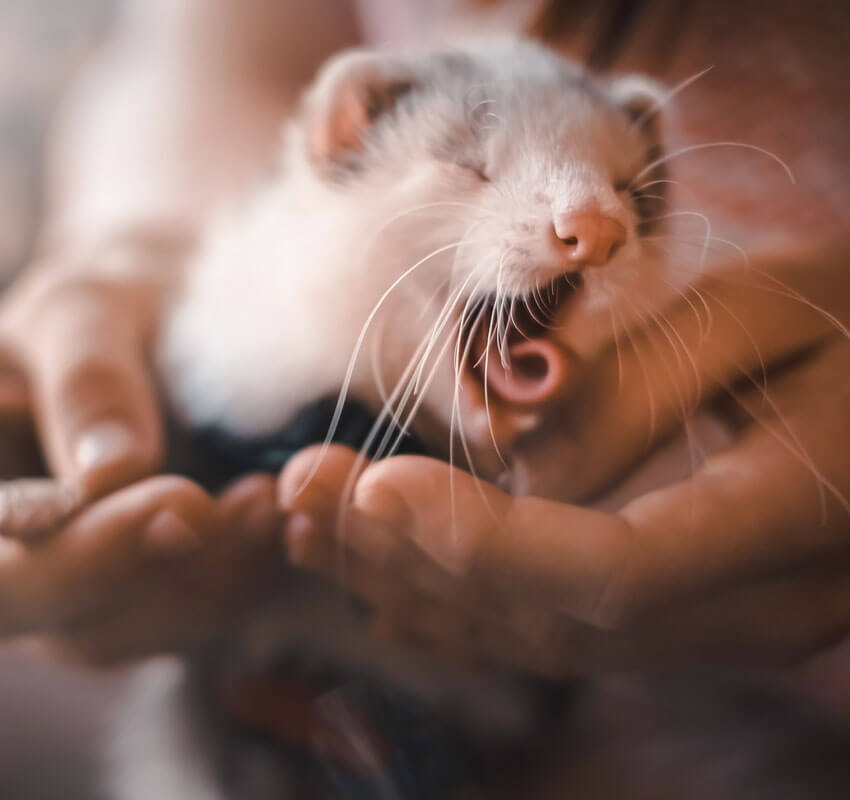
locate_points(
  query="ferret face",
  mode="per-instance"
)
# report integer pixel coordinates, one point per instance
(524, 186)
(539, 166)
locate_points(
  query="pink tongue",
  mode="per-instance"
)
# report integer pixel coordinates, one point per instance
(537, 370)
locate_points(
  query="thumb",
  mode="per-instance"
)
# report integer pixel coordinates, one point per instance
(94, 399)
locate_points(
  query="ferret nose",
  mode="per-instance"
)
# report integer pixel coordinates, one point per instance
(588, 238)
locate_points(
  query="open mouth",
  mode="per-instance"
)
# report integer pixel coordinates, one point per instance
(511, 350)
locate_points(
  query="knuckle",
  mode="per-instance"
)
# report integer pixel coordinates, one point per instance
(462, 552)
(92, 382)
(622, 595)
(186, 499)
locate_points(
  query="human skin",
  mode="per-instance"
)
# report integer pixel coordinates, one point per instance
(750, 579)
(180, 111)
(744, 563)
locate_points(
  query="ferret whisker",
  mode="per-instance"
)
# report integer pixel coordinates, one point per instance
(498, 305)
(439, 325)
(376, 372)
(414, 383)
(460, 359)
(649, 393)
(512, 323)
(685, 408)
(669, 96)
(403, 429)
(660, 318)
(705, 146)
(794, 446)
(688, 405)
(698, 215)
(343, 394)
(642, 195)
(745, 330)
(478, 105)
(363, 452)
(617, 350)
(666, 246)
(783, 290)
(654, 182)
(374, 359)
(490, 332)
(683, 294)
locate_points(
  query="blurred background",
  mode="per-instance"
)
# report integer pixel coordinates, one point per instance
(49, 717)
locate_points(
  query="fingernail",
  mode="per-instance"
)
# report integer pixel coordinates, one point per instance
(169, 533)
(32, 507)
(104, 443)
(383, 505)
(299, 528)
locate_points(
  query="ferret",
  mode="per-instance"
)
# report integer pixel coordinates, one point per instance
(431, 219)
(443, 230)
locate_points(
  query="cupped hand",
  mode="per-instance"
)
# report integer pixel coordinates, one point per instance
(158, 566)
(747, 562)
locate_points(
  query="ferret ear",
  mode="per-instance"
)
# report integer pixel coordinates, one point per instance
(642, 99)
(352, 91)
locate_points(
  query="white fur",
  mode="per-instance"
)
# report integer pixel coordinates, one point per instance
(279, 293)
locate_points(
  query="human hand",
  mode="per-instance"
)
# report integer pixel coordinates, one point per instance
(747, 562)
(157, 566)
(80, 336)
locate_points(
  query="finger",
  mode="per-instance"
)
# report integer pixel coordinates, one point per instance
(768, 624)
(758, 508)
(314, 482)
(425, 622)
(409, 579)
(178, 604)
(95, 554)
(14, 393)
(771, 623)
(30, 508)
(317, 487)
(93, 394)
(777, 499)
(19, 451)
(249, 507)
(732, 324)
(523, 547)
(327, 526)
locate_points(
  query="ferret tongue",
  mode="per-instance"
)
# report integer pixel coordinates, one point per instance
(537, 370)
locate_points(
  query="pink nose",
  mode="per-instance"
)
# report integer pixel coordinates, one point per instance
(588, 238)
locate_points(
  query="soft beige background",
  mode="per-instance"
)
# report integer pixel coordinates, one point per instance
(49, 719)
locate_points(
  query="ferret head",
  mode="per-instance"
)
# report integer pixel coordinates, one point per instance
(513, 188)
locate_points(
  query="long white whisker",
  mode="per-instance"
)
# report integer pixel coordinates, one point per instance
(706, 145)
(439, 325)
(343, 394)
(679, 87)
